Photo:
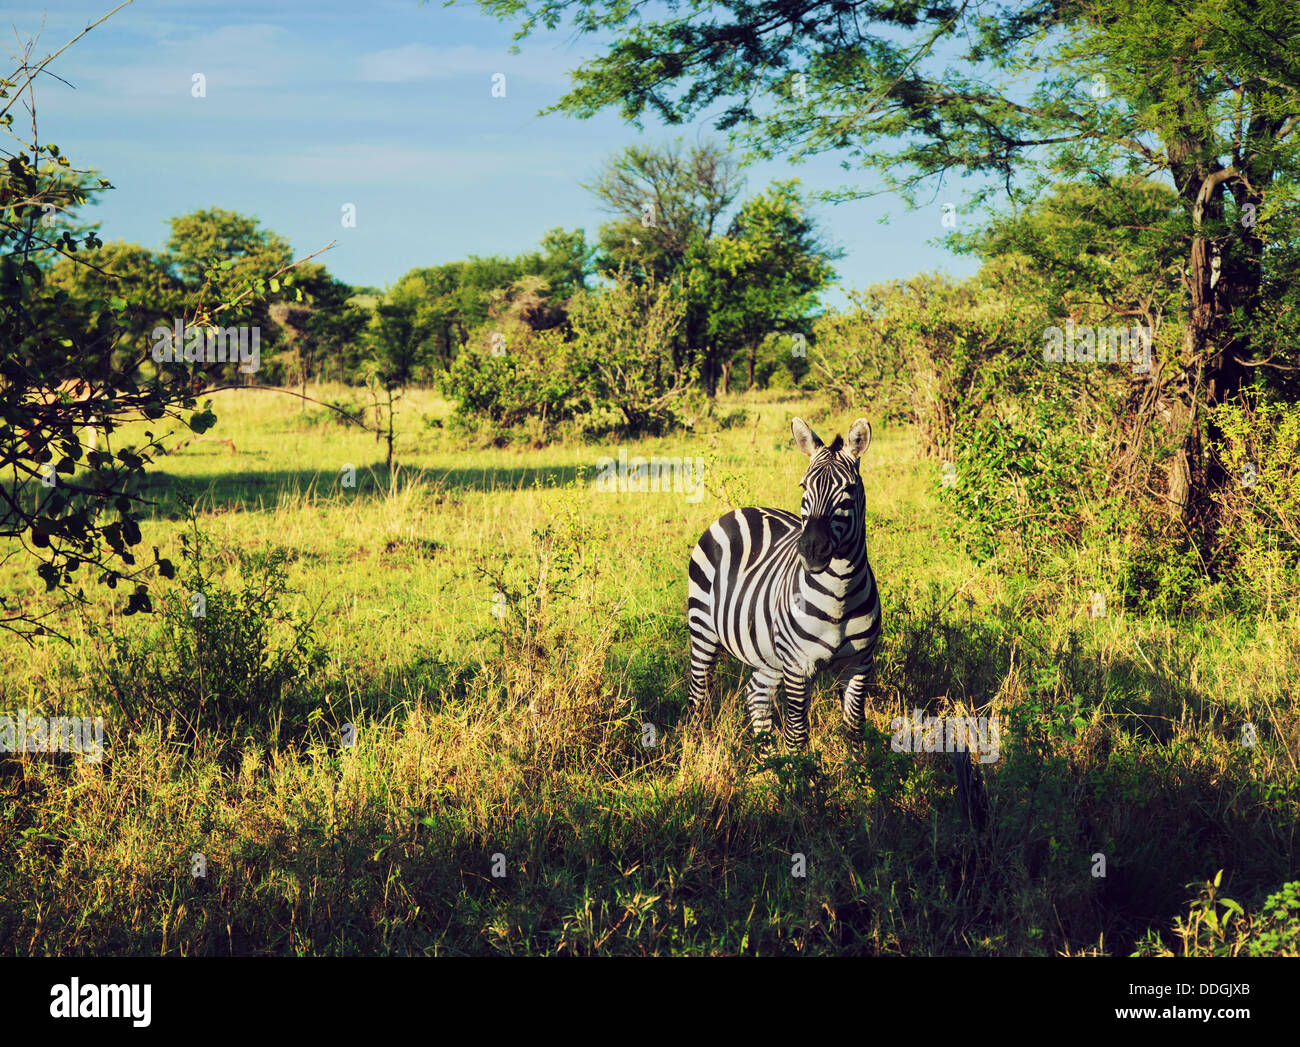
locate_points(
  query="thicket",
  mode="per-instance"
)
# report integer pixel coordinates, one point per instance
(1036, 456)
(608, 370)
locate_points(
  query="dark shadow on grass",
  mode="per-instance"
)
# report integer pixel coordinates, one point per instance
(1065, 791)
(242, 489)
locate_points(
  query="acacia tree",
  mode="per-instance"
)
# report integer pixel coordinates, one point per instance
(1204, 94)
(669, 206)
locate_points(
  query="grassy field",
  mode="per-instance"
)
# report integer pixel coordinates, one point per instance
(498, 633)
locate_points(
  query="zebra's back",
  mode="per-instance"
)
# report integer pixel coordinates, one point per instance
(737, 571)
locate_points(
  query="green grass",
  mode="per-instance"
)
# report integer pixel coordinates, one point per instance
(521, 735)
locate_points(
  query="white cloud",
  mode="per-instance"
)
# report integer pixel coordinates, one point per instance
(234, 56)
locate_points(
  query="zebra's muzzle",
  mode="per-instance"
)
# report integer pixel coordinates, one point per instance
(815, 544)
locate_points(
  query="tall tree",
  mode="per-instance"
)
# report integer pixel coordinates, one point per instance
(669, 204)
(238, 253)
(121, 270)
(762, 277)
(1202, 93)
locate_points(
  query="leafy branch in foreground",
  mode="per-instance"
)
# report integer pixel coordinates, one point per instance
(69, 377)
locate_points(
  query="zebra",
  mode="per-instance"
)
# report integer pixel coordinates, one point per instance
(791, 595)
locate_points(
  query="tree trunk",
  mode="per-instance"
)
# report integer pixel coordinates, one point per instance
(1219, 276)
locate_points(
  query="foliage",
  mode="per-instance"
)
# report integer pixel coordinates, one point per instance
(437, 309)
(612, 369)
(1101, 250)
(924, 350)
(55, 348)
(761, 278)
(1201, 96)
(1261, 509)
(212, 661)
(743, 279)
(1022, 484)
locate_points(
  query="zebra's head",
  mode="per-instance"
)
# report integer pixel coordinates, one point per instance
(833, 500)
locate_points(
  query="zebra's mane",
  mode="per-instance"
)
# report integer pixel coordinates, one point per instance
(837, 444)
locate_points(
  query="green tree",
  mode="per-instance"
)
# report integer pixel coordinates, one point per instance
(1102, 250)
(1204, 94)
(226, 254)
(322, 330)
(669, 204)
(762, 278)
(445, 304)
(60, 374)
(743, 278)
(118, 269)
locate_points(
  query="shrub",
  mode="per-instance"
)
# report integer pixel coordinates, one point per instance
(1022, 484)
(611, 369)
(1260, 512)
(212, 662)
(926, 351)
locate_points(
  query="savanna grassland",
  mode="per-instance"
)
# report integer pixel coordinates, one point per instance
(498, 632)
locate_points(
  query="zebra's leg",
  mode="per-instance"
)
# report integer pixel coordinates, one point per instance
(855, 681)
(704, 655)
(762, 687)
(796, 709)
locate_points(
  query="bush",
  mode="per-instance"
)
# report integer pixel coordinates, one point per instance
(609, 370)
(211, 662)
(1260, 512)
(1027, 483)
(925, 351)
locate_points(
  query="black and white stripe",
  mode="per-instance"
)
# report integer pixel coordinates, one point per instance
(791, 595)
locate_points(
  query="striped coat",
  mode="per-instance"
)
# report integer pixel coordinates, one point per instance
(791, 595)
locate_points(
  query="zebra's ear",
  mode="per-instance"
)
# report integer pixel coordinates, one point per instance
(859, 438)
(804, 438)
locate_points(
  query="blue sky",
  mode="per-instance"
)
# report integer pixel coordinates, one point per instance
(384, 104)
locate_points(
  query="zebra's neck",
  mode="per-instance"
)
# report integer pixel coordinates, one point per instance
(836, 581)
